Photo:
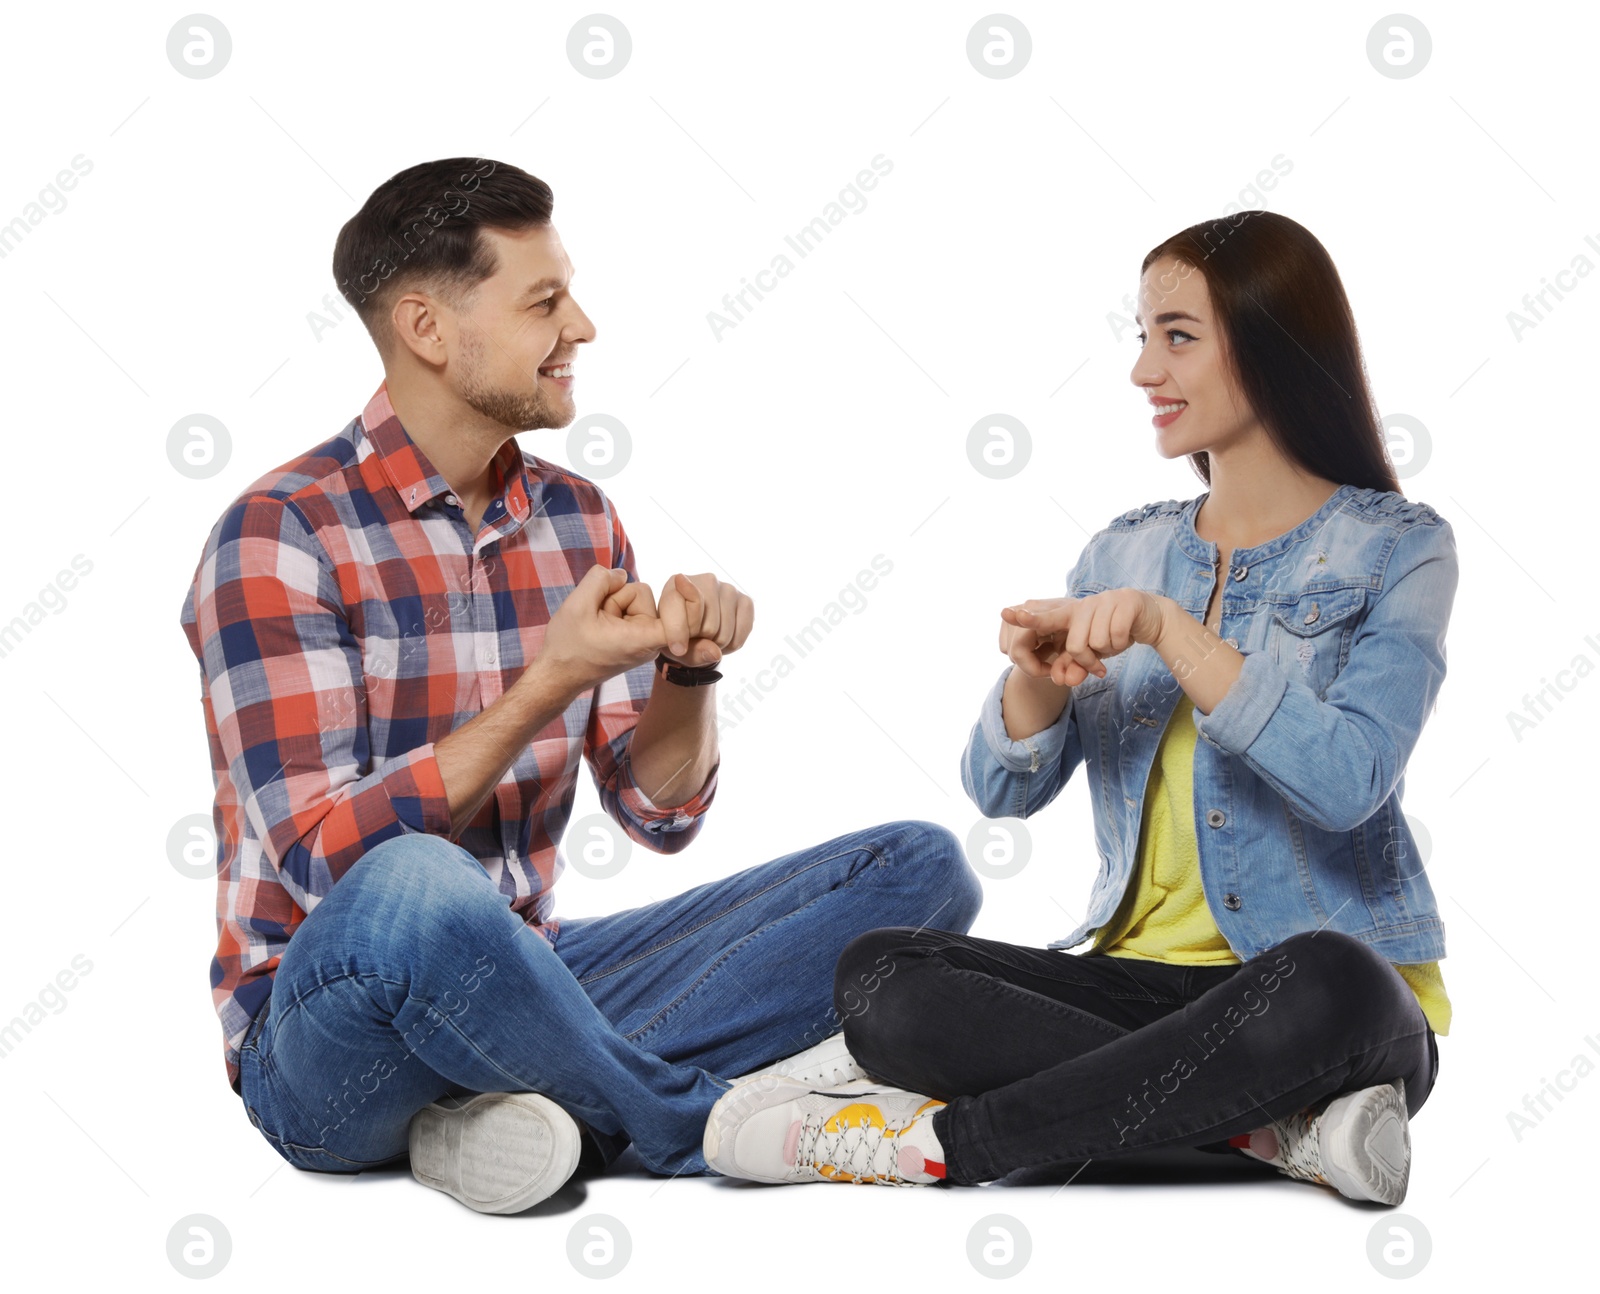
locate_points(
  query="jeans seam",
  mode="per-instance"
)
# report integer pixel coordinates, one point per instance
(268, 1062)
(318, 1150)
(300, 998)
(749, 898)
(633, 1035)
(1066, 1008)
(656, 1019)
(1145, 994)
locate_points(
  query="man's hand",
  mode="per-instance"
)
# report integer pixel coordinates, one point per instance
(703, 619)
(606, 626)
(1067, 639)
(633, 601)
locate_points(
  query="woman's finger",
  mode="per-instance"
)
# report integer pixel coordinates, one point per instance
(1119, 627)
(1076, 644)
(1046, 619)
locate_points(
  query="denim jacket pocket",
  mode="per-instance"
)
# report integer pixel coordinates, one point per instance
(1312, 633)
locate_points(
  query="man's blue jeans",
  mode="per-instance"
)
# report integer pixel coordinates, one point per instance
(413, 979)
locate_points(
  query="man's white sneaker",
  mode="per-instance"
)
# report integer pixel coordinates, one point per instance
(828, 1064)
(496, 1152)
(1358, 1143)
(774, 1129)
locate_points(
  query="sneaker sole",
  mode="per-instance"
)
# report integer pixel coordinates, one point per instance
(1366, 1145)
(497, 1152)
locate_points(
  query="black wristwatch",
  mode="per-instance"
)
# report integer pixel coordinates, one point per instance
(686, 675)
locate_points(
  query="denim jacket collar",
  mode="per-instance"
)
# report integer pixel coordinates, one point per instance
(1203, 550)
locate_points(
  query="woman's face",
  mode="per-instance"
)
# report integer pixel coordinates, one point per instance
(1182, 366)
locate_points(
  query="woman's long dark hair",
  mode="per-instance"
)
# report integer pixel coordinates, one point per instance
(1292, 341)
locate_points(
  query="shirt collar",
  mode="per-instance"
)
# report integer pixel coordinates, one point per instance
(417, 481)
(1203, 550)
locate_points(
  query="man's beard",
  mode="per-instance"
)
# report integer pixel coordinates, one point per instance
(518, 410)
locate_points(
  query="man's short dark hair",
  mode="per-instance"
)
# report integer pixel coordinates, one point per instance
(419, 230)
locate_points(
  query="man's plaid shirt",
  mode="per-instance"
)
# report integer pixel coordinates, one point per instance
(344, 620)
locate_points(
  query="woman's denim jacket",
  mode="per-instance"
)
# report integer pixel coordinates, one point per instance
(1299, 769)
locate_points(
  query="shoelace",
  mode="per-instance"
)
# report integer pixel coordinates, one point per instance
(1299, 1146)
(857, 1149)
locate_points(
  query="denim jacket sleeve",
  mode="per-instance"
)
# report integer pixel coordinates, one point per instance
(1336, 761)
(1006, 778)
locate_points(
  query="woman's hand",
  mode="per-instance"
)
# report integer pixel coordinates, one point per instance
(1035, 653)
(1068, 639)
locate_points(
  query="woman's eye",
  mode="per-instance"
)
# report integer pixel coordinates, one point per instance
(1174, 333)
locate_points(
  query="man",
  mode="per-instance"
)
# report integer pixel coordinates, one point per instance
(407, 637)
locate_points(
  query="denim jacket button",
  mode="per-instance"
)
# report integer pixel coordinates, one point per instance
(1232, 642)
(1129, 801)
(1231, 902)
(1215, 817)
(1239, 572)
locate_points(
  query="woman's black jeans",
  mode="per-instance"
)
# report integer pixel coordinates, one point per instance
(1047, 1057)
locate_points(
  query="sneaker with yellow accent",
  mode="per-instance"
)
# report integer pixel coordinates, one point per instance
(774, 1129)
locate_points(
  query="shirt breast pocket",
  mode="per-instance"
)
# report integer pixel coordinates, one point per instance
(1310, 636)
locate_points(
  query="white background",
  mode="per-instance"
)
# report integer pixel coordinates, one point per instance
(828, 427)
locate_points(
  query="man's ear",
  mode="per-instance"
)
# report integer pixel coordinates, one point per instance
(415, 326)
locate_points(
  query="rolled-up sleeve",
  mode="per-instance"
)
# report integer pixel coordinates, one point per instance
(613, 718)
(1006, 777)
(1336, 760)
(289, 696)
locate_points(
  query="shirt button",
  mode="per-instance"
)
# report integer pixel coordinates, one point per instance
(450, 498)
(1215, 817)
(1231, 902)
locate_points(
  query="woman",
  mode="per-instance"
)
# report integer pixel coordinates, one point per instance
(1243, 677)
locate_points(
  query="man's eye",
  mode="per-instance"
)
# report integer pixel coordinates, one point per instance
(547, 301)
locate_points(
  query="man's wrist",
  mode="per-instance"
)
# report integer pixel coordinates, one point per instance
(555, 680)
(686, 675)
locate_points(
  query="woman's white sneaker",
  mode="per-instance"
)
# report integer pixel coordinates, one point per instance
(496, 1152)
(774, 1129)
(1359, 1143)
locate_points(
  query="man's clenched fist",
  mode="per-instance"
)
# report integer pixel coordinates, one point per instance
(703, 618)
